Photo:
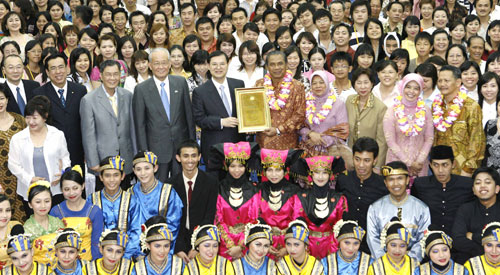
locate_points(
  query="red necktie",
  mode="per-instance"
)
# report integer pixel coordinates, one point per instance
(190, 191)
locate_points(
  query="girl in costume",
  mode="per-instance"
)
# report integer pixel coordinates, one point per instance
(437, 246)
(119, 208)
(112, 247)
(156, 240)
(258, 240)
(279, 204)
(298, 261)
(20, 250)
(238, 200)
(6, 225)
(42, 226)
(153, 196)
(206, 240)
(395, 239)
(79, 214)
(348, 259)
(67, 247)
(322, 206)
(489, 262)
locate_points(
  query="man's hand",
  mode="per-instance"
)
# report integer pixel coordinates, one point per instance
(95, 168)
(192, 253)
(183, 256)
(468, 235)
(270, 132)
(35, 179)
(229, 122)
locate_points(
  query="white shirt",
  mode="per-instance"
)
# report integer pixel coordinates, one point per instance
(186, 186)
(65, 88)
(389, 101)
(13, 89)
(261, 40)
(243, 76)
(296, 35)
(489, 111)
(139, 7)
(158, 86)
(130, 82)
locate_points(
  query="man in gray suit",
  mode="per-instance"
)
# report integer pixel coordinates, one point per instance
(162, 113)
(106, 120)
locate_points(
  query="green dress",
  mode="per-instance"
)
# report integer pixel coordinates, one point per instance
(43, 240)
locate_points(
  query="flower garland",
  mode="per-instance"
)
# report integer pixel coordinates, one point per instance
(403, 121)
(441, 123)
(280, 101)
(311, 115)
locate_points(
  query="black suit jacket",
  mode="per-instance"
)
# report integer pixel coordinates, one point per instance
(29, 87)
(67, 119)
(208, 109)
(202, 209)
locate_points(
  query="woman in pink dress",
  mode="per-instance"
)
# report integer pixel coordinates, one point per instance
(408, 127)
(238, 200)
(279, 204)
(322, 206)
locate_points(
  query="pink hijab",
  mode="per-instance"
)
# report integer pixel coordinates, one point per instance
(407, 79)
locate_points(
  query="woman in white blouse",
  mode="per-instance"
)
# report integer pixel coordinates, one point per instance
(39, 152)
(139, 70)
(250, 70)
(488, 95)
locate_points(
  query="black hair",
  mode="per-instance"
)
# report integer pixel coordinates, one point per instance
(143, 55)
(360, 3)
(493, 24)
(187, 5)
(424, 36)
(382, 64)
(306, 7)
(113, 236)
(152, 221)
(491, 4)
(340, 56)
(251, 26)
(73, 57)
(105, 8)
(340, 25)
(389, 6)
(59, 39)
(228, 38)
(455, 24)
(46, 36)
(54, 56)
(199, 57)
(90, 32)
(279, 32)
(474, 37)
(210, 6)
(26, 8)
(363, 71)
(288, 51)
(108, 63)
(185, 64)
(3, 88)
(37, 190)
(238, 9)
(470, 64)
(217, 53)
(401, 54)
(3, 198)
(366, 144)
(252, 47)
(53, 3)
(436, 60)
(363, 49)
(460, 47)
(16, 230)
(438, 32)
(269, 12)
(455, 71)
(188, 144)
(495, 56)
(487, 77)
(441, 8)
(410, 20)
(13, 43)
(426, 69)
(117, 11)
(306, 35)
(71, 175)
(320, 51)
(367, 40)
(225, 18)
(134, 14)
(267, 47)
(204, 20)
(85, 13)
(321, 13)
(64, 237)
(29, 46)
(224, 4)
(470, 18)
(490, 171)
(190, 39)
(46, 53)
(45, 14)
(103, 26)
(121, 43)
(4, 22)
(39, 104)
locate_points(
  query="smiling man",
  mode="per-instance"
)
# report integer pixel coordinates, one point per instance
(412, 212)
(205, 28)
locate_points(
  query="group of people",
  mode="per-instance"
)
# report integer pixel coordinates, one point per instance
(121, 151)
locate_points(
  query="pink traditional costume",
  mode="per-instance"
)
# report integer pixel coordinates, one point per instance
(408, 128)
(325, 115)
(238, 200)
(321, 207)
(279, 204)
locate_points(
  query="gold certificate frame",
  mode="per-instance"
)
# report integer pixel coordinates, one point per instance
(252, 109)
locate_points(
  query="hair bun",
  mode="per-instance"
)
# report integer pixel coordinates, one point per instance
(16, 230)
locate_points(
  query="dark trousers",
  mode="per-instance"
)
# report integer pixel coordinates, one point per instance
(167, 170)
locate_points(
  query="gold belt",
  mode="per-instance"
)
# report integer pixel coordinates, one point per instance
(317, 234)
(237, 229)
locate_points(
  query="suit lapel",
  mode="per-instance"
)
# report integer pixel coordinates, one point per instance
(70, 94)
(198, 187)
(104, 101)
(174, 98)
(12, 102)
(155, 98)
(233, 98)
(217, 100)
(121, 103)
(54, 95)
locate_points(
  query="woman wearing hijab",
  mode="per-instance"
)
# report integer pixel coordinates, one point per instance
(408, 127)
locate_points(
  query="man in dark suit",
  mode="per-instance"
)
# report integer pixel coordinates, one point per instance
(18, 90)
(65, 97)
(162, 113)
(198, 192)
(214, 105)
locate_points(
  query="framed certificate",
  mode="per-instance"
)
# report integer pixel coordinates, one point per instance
(252, 109)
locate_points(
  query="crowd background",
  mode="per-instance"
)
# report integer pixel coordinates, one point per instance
(118, 122)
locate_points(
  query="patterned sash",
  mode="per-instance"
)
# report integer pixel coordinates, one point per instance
(140, 267)
(164, 196)
(477, 266)
(123, 211)
(458, 269)
(220, 267)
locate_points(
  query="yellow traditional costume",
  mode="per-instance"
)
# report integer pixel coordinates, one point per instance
(219, 265)
(384, 265)
(287, 266)
(481, 265)
(19, 243)
(123, 267)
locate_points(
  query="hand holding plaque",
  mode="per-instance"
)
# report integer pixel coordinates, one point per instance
(252, 109)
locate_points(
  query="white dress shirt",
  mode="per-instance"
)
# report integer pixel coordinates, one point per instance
(13, 89)
(243, 76)
(65, 88)
(186, 186)
(489, 111)
(158, 86)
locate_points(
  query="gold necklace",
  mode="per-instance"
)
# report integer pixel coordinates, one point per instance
(70, 270)
(158, 268)
(347, 260)
(203, 264)
(235, 196)
(398, 203)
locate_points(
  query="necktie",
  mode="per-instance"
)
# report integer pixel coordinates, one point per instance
(114, 105)
(225, 100)
(190, 191)
(164, 99)
(20, 101)
(61, 96)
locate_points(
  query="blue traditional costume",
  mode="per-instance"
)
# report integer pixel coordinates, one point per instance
(432, 238)
(69, 239)
(173, 265)
(161, 199)
(120, 210)
(245, 265)
(336, 263)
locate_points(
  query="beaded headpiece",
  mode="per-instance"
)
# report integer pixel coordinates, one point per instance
(148, 157)
(298, 229)
(115, 162)
(320, 162)
(39, 183)
(431, 238)
(258, 231)
(19, 243)
(273, 158)
(203, 233)
(348, 229)
(491, 232)
(121, 238)
(163, 234)
(240, 151)
(394, 230)
(72, 239)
